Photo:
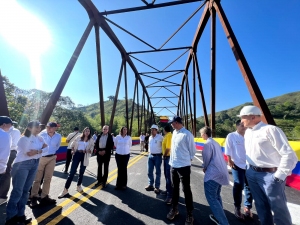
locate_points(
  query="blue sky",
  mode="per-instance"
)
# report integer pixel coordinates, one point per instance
(268, 33)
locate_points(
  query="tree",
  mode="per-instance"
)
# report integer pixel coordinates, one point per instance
(111, 98)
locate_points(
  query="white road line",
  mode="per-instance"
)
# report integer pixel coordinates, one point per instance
(293, 208)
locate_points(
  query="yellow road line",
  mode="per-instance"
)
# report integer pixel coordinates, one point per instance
(85, 198)
(69, 200)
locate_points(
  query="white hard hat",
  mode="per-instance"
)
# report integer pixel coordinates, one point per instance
(250, 110)
(154, 126)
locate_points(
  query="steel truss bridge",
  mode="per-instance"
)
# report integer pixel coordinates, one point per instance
(184, 101)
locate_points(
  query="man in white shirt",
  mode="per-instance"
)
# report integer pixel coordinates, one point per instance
(142, 142)
(236, 154)
(95, 136)
(270, 160)
(70, 138)
(46, 166)
(6, 178)
(183, 150)
(154, 159)
(5, 144)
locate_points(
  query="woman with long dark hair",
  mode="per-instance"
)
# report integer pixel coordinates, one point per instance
(30, 147)
(123, 143)
(82, 148)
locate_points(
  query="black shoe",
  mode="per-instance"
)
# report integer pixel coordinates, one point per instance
(33, 202)
(104, 185)
(24, 219)
(14, 221)
(65, 172)
(149, 188)
(213, 218)
(98, 183)
(118, 188)
(47, 201)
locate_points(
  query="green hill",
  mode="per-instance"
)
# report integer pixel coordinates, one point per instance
(285, 109)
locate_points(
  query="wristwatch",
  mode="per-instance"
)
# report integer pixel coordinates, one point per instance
(277, 179)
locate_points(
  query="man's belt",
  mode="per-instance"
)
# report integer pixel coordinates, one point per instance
(102, 149)
(156, 154)
(260, 169)
(80, 151)
(49, 155)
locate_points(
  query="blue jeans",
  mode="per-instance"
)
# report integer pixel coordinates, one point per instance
(213, 196)
(154, 161)
(268, 196)
(240, 184)
(23, 174)
(77, 158)
(167, 172)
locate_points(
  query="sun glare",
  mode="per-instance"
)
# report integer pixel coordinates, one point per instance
(25, 32)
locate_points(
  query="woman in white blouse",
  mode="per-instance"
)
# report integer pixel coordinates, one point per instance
(123, 143)
(23, 172)
(82, 148)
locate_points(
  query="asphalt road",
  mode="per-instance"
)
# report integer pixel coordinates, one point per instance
(135, 205)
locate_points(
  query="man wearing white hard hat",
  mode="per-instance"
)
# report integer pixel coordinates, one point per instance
(270, 159)
(154, 159)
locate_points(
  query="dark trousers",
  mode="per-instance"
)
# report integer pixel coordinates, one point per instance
(103, 160)
(182, 174)
(77, 158)
(122, 162)
(6, 177)
(68, 160)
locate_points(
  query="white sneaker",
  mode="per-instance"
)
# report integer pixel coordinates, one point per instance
(3, 200)
(79, 188)
(63, 193)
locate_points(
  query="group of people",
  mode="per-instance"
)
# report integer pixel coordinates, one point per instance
(259, 155)
(260, 158)
(29, 162)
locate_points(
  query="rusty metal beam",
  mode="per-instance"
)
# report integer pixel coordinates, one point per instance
(213, 71)
(201, 91)
(170, 82)
(194, 98)
(169, 90)
(168, 71)
(185, 22)
(148, 119)
(190, 105)
(247, 74)
(99, 68)
(175, 60)
(126, 94)
(149, 6)
(173, 85)
(202, 23)
(132, 107)
(131, 34)
(3, 102)
(65, 76)
(94, 13)
(159, 50)
(155, 92)
(165, 97)
(138, 106)
(116, 96)
(144, 63)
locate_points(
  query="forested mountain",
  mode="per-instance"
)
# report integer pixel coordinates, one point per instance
(27, 105)
(285, 110)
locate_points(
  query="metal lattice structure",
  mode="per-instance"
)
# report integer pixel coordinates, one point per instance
(185, 107)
